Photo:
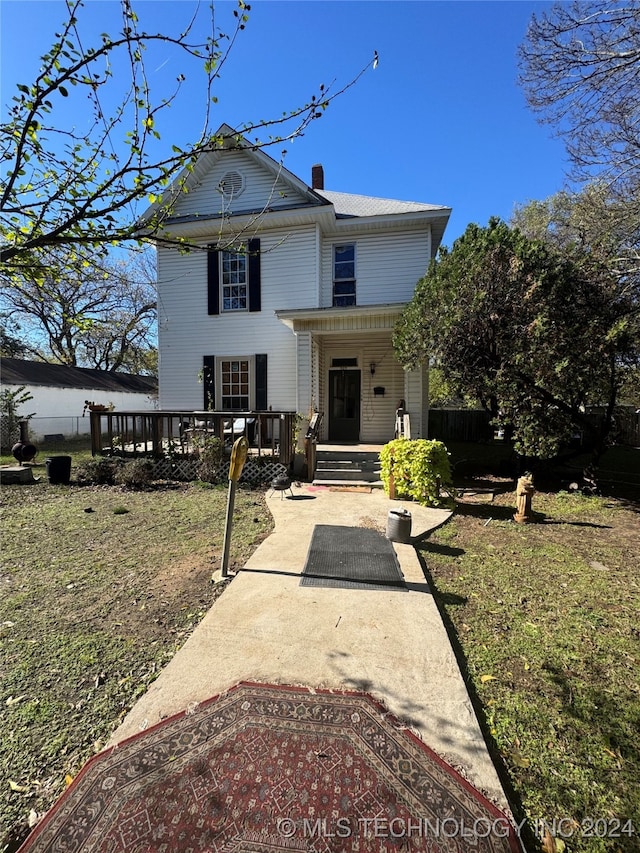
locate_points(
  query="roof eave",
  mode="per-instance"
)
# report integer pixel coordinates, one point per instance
(289, 316)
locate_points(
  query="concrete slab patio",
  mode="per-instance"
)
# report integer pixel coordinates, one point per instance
(390, 643)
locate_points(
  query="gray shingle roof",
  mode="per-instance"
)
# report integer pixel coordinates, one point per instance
(346, 204)
(16, 371)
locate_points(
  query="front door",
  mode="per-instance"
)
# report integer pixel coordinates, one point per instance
(344, 405)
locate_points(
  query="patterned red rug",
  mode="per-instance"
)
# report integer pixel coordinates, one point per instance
(267, 769)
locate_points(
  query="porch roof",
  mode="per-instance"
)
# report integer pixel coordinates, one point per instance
(353, 318)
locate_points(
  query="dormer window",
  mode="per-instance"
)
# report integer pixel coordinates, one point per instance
(344, 275)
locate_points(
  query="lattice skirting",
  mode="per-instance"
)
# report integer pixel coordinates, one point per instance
(175, 469)
(255, 471)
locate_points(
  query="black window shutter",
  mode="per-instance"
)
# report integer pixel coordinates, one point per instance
(209, 381)
(255, 298)
(213, 281)
(261, 382)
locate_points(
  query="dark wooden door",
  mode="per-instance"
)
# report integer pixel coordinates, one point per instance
(344, 405)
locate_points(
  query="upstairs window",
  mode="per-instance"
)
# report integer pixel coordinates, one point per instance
(344, 275)
(234, 281)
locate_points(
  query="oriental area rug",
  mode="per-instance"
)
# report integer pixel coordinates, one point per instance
(273, 769)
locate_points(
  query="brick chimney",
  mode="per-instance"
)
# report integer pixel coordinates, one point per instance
(317, 177)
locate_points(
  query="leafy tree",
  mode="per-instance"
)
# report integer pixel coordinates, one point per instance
(580, 69)
(11, 401)
(87, 311)
(595, 228)
(11, 346)
(442, 394)
(531, 333)
(68, 184)
(590, 224)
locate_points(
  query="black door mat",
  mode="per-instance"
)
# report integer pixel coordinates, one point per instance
(351, 558)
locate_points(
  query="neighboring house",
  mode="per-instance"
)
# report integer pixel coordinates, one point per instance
(292, 301)
(59, 393)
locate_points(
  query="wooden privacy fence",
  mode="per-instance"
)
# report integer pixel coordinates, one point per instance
(460, 425)
(475, 425)
(178, 433)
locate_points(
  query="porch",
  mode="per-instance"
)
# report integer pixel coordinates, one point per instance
(346, 368)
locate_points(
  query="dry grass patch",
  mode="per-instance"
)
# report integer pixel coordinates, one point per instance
(98, 589)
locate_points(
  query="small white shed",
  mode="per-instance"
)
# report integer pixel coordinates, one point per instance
(59, 394)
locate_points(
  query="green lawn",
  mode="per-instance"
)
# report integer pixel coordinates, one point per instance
(544, 618)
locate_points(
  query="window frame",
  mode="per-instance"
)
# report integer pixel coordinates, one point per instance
(338, 300)
(234, 254)
(251, 382)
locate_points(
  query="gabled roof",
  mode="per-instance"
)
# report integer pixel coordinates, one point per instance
(340, 205)
(231, 140)
(16, 371)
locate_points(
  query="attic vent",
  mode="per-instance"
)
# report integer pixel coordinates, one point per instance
(231, 185)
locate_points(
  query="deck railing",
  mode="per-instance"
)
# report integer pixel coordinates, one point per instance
(178, 433)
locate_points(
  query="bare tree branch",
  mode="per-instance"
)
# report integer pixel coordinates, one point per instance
(66, 186)
(580, 69)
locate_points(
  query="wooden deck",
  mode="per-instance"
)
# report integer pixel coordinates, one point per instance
(159, 434)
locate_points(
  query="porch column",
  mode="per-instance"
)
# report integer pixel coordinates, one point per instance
(416, 394)
(303, 372)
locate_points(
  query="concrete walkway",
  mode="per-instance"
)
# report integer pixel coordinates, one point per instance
(390, 643)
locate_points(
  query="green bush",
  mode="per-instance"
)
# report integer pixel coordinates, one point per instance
(420, 469)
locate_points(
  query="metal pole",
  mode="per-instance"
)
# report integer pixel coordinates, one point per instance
(238, 458)
(231, 499)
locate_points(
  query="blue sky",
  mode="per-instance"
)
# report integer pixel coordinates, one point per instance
(441, 120)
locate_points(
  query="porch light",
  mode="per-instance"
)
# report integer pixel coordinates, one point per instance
(372, 368)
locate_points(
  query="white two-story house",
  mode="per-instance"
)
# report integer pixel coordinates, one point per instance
(290, 300)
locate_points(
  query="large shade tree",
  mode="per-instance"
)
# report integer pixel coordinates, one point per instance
(580, 69)
(594, 228)
(86, 311)
(532, 333)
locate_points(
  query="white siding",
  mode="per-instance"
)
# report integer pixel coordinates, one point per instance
(316, 362)
(296, 273)
(186, 333)
(261, 188)
(388, 266)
